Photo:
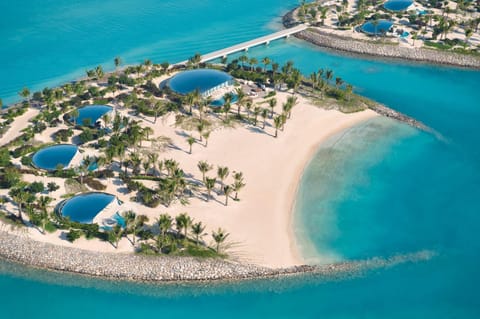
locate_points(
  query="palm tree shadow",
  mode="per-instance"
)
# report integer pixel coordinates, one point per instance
(182, 133)
(258, 130)
(177, 148)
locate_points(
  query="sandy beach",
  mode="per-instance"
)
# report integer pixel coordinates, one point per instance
(260, 224)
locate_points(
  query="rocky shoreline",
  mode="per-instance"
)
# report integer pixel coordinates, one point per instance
(386, 51)
(132, 267)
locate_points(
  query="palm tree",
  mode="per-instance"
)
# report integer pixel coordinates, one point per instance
(189, 100)
(183, 221)
(264, 115)
(204, 167)
(139, 222)
(266, 61)
(248, 106)
(206, 136)
(117, 61)
(219, 237)
(240, 99)
(349, 91)
(209, 184)
(275, 67)
(277, 122)
(200, 128)
(243, 59)
(25, 93)
(99, 72)
(227, 190)
(314, 79)
(238, 183)
(291, 101)
(147, 63)
(152, 159)
(329, 75)
(272, 103)
(106, 119)
(321, 86)
(338, 82)
(253, 62)
(256, 113)
(157, 108)
(130, 224)
(43, 202)
(164, 223)
(197, 230)
(75, 114)
(190, 141)
(227, 97)
(114, 235)
(222, 173)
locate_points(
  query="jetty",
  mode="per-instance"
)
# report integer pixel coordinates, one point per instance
(244, 46)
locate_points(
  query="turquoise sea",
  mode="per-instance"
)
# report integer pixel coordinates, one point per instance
(380, 189)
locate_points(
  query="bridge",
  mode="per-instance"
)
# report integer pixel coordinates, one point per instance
(244, 46)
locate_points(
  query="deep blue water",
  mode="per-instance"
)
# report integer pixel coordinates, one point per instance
(91, 113)
(200, 79)
(378, 190)
(83, 208)
(51, 156)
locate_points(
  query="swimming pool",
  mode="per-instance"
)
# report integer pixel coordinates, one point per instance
(50, 157)
(83, 208)
(91, 112)
(221, 101)
(204, 80)
(397, 5)
(381, 27)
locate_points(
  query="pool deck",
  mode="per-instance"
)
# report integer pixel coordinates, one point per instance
(107, 212)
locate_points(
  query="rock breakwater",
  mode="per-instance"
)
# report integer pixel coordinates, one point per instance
(134, 267)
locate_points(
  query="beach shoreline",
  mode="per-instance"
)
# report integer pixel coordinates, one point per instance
(266, 200)
(22, 250)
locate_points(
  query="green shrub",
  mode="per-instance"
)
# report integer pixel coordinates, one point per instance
(4, 157)
(23, 150)
(73, 235)
(36, 187)
(26, 160)
(94, 184)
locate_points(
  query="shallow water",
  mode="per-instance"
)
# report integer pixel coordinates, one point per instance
(379, 189)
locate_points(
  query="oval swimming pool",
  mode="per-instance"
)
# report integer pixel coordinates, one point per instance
(50, 157)
(203, 80)
(92, 113)
(83, 208)
(380, 27)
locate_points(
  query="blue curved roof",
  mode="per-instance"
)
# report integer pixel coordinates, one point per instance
(201, 79)
(397, 5)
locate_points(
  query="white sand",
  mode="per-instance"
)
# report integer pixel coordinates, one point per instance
(260, 224)
(19, 124)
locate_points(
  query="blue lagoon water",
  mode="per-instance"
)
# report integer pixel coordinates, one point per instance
(379, 189)
(51, 156)
(83, 208)
(91, 113)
